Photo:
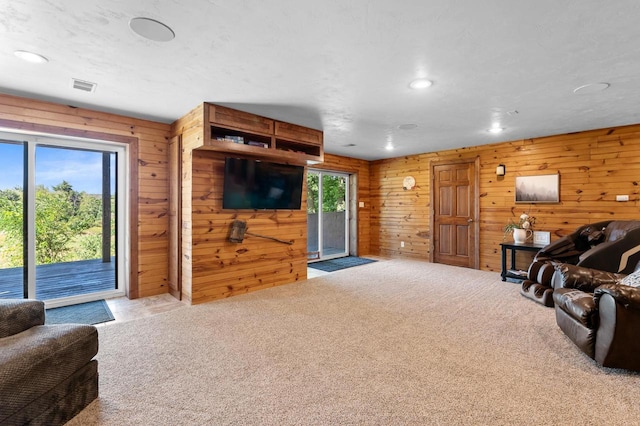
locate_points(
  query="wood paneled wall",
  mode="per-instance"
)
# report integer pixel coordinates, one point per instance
(594, 167)
(212, 266)
(360, 170)
(220, 268)
(149, 186)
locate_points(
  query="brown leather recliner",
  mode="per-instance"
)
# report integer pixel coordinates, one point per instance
(599, 314)
(612, 246)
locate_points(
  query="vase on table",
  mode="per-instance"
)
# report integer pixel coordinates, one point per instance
(521, 235)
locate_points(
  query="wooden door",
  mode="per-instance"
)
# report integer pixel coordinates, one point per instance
(455, 204)
(175, 218)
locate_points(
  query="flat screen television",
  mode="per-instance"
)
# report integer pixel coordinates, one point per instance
(261, 185)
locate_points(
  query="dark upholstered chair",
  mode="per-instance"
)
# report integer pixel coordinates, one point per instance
(47, 372)
(612, 246)
(599, 314)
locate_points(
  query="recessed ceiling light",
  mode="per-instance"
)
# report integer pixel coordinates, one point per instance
(591, 88)
(389, 147)
(34, 58)
(408, 126)
(420, 83)
(495, 127)
(151, 29)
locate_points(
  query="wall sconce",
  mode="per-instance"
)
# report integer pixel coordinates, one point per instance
(501, 170)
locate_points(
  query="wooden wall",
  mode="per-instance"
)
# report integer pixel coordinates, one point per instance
(594, 167)
(212, 266)
(220, 268)
(148, 143)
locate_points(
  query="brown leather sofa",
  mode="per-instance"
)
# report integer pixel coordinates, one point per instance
(612, 246)
(47, 372)
(599, 314)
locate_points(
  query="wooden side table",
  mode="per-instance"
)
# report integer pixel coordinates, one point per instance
(514, 247)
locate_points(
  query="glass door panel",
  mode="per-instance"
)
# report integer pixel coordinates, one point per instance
(327, 214)
(13, 284)
(334, 217)
(313, 185)
(75, 193)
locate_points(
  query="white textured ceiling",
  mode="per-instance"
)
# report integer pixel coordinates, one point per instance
(342, 66)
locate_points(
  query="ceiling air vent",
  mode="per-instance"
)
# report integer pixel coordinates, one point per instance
(85, 86)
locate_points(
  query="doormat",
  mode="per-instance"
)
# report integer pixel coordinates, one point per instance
(339, 263)
(84, 313)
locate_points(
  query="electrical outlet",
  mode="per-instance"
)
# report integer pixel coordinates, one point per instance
(622, 198)
(401, 243)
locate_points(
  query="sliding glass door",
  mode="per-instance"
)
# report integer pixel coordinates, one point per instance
(13, 283)
(327, 214)
(62, 235)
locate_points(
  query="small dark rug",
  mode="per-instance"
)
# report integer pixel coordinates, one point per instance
(339, 263)
(84, 313)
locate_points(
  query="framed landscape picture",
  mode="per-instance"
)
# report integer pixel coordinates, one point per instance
(538, 189)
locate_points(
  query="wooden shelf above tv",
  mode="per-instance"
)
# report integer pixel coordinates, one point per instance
(237, 132)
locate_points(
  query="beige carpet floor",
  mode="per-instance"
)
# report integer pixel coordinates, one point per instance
(393, 342)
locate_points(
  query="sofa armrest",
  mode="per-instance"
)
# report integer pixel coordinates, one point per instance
(578, 305)
(581, 278)
(600, 257)
(619, 256)
(616, 343)
(17, 315)
(627, 296)
(569, 248)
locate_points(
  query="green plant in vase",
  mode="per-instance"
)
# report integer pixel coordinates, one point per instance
(522, 230)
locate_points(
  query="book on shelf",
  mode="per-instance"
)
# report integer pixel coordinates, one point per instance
(260, 144)
(518, 272)
(227, 138)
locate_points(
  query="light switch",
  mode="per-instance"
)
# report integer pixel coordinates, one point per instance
(361, 204)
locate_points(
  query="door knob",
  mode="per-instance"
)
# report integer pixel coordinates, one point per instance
(469, 220)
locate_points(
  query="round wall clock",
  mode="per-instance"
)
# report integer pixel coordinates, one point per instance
(408, 183)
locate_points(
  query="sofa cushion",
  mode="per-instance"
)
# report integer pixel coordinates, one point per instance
(632, 280)
(578, 305)
(35, 361)
(619, 228)
(584, 279)
(18, 315)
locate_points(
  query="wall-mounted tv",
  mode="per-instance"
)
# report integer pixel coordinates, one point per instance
(261, 185)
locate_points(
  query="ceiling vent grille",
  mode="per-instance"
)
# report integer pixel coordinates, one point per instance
(85, 86)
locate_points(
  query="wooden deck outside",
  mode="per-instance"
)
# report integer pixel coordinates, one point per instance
(61, 279)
